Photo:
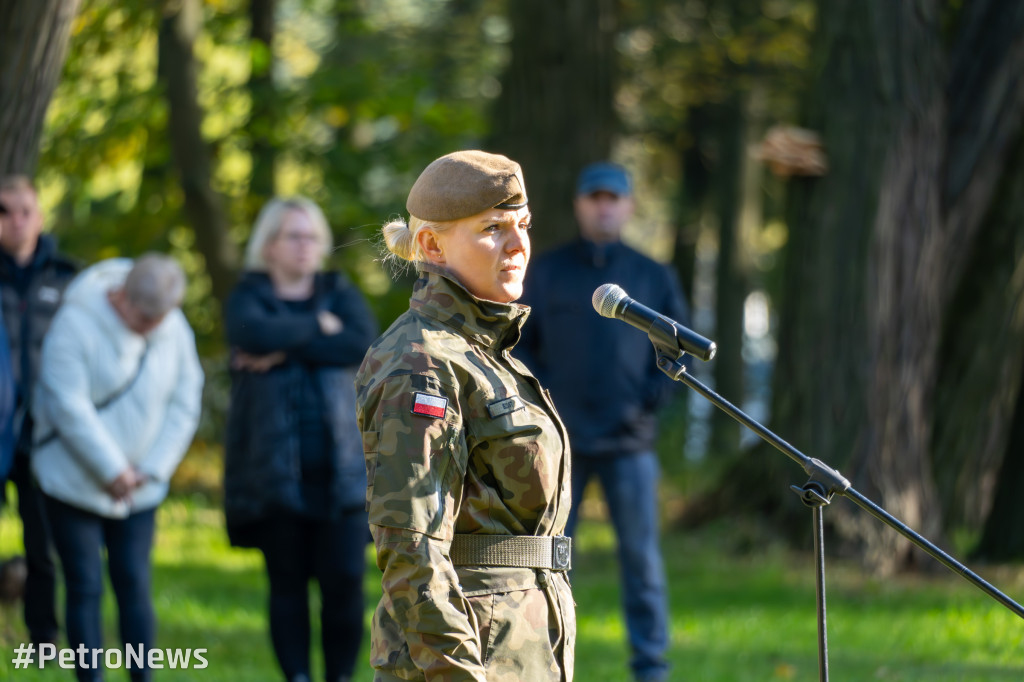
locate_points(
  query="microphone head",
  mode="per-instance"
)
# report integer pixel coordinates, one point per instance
(607, 298)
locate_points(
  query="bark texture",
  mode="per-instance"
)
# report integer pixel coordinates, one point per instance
(34, 38)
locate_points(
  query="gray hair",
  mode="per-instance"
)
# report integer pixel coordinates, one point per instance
(155, 285)
(268, 225)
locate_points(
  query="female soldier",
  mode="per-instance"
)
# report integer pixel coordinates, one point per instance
(294, 480)
(468, 463)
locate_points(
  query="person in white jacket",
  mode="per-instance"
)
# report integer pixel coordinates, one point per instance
(118, 400)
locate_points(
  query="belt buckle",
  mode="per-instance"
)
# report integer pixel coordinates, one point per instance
(561, 553)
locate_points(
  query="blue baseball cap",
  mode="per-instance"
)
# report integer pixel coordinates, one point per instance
(604, 177)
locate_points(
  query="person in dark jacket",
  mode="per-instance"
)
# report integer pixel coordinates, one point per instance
(33, 276)
(607, 387)
(295, 478)
(6, 395)
(6, 407)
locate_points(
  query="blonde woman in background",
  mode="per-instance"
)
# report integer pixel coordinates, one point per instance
(294, 479)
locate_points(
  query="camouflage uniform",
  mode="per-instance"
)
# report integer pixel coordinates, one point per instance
(493, 459)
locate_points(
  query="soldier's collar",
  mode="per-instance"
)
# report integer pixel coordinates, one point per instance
(439, 294)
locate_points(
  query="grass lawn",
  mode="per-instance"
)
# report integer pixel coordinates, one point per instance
(735, 617)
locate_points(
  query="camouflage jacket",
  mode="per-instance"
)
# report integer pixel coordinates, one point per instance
(459, 437)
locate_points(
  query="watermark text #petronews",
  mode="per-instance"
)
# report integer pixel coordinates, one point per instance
(132, 658)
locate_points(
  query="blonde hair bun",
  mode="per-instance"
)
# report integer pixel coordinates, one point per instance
(398, 238)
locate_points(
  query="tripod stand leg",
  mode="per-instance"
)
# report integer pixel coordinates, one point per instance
(819, 556)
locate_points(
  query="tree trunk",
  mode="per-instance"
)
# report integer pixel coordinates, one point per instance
(34, 36)
(915, 138)
(983, 344)
(692, 204)
(908, 260)
(263, 119)
(731, 281)
(179, 26)
(1002, 538)
(555, 112)
(980, 380)
(819, 402)
(859, 311)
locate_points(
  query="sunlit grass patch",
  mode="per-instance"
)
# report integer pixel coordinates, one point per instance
(741, 610)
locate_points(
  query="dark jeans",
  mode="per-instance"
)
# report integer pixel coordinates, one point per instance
(630, 486)
(298, 550)
(41, 582)
(80, 537)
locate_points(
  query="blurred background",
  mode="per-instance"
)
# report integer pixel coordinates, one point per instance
(837, 183)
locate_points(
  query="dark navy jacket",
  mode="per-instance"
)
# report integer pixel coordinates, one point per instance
(30, 297)
(601, 372)
(263, 467)
(6, 409)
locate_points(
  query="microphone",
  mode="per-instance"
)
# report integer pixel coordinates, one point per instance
(611, 300)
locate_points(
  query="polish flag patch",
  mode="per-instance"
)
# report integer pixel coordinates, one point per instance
(429, 405)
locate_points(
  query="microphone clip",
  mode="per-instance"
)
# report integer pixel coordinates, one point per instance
(669, 356)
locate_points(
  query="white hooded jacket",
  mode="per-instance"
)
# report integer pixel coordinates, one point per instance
(88, 356)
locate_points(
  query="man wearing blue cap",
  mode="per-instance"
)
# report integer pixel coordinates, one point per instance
(608, 388)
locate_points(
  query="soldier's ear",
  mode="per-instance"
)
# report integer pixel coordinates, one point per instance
(430, 246)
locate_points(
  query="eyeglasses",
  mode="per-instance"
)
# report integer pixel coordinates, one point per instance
(299, 237)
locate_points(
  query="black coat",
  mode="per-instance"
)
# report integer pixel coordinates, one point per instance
(262, 463)
(601, 373)
(30, 297)
(6, 411)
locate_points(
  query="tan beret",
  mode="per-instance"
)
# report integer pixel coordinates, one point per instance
(463, 184)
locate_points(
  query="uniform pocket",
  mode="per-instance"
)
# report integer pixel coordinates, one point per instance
(508, 419)
(524, 639)
(481, 609)
(371, 441)
(389, 649)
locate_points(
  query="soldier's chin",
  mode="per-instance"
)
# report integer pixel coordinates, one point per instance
(511, 292)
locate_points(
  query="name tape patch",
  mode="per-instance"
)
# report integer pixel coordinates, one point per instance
(429, 405)
(505, 406)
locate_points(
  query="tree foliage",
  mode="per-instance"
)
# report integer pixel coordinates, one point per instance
(162, 140)
(365, 95)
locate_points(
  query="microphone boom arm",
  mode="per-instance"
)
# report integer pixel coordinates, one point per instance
(835, 482)
(823, 484)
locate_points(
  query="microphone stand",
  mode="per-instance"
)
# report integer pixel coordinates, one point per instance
(823, 484)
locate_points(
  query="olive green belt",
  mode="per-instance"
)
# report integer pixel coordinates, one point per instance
(553, 552)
